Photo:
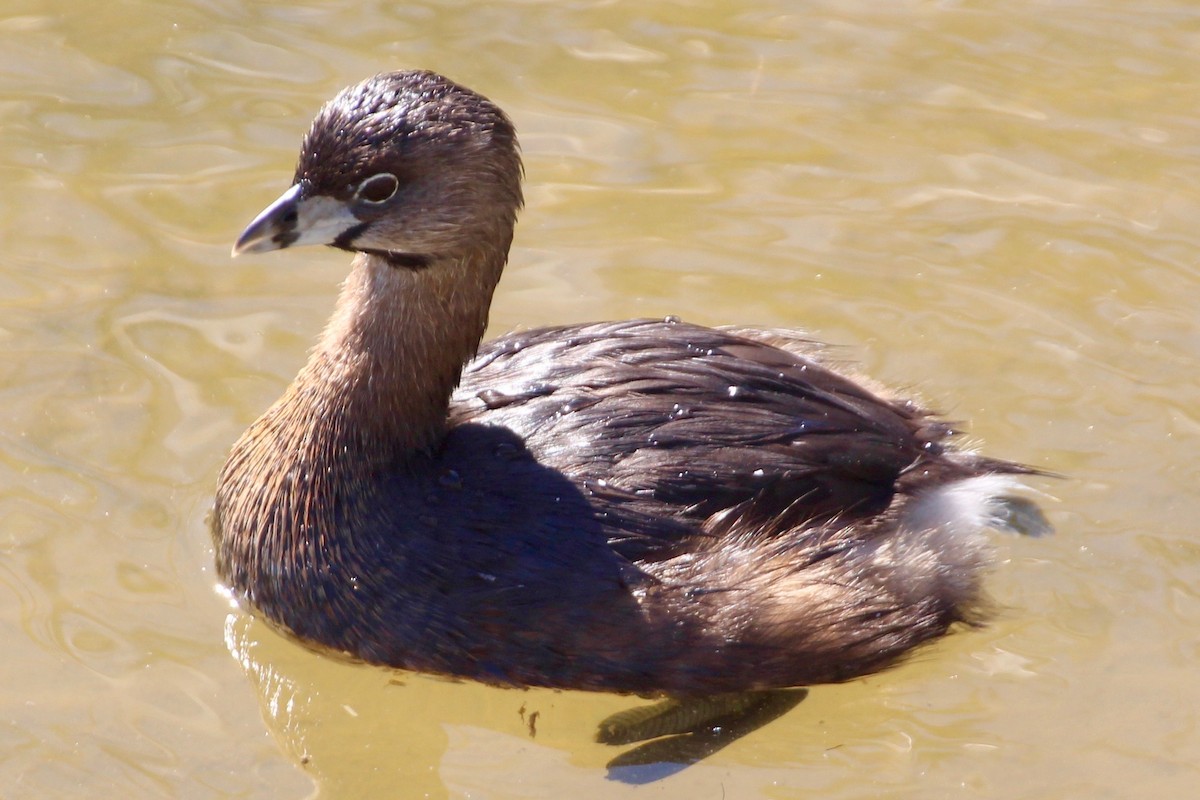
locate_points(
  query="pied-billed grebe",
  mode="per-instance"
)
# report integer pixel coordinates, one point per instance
(644, 506)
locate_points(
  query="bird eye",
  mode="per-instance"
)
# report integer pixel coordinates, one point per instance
(378, 188)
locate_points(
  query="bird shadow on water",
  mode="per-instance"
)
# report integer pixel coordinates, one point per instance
(676, 734)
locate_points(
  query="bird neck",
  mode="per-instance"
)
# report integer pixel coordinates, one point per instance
(380, 378)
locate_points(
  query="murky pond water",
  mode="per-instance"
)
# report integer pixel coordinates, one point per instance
(996, 205)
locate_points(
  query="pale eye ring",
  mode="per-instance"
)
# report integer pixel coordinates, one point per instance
(378, 188)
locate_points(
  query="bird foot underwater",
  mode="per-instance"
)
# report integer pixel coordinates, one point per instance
(677, 733)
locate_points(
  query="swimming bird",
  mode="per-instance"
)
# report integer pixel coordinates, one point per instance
(643, 506)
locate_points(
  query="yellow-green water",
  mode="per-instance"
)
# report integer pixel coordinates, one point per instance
(996, 205)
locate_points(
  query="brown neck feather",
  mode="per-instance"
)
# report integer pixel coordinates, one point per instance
(374, 392)
(380, 378)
